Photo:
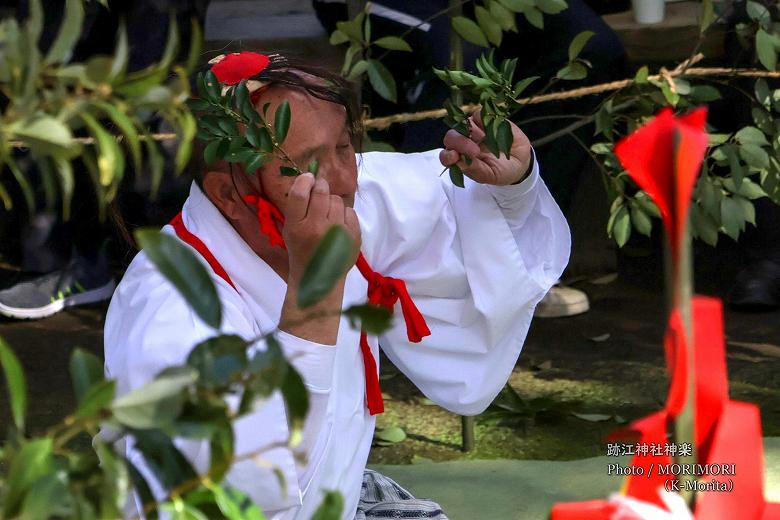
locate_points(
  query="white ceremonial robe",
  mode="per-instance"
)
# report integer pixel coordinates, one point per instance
(476, 262)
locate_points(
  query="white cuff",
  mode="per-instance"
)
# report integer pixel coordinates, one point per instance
(314, 361)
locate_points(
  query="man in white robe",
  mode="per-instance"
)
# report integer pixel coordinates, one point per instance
(475, 260)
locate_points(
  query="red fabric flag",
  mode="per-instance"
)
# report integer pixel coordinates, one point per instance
(663, 157)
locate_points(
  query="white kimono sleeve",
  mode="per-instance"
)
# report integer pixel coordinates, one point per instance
(150, 327)
(476, 262)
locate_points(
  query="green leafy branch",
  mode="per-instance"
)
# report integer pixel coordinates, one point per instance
(358, 60)
(236, 132)
(494, 89)
(51, 99)
(54, 475)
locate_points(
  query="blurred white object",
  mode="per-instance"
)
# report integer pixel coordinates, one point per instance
(648, 11)
(561, 301)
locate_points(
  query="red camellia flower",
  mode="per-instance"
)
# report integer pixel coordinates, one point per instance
(239, 65)
(664, 158)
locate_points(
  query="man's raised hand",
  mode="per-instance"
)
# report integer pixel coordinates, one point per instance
(310, 211)
(485, 167)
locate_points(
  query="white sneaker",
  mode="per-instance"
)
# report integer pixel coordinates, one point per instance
(561, 301)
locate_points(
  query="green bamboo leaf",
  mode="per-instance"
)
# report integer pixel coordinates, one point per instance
(393, 43)
(338, 37)
(357, 70)
(352, 28)
(456, 176)
(188, 126)
(329, 262)
(156, 404)
(489, 25)
(85, 370)
(16, 383)
(469, 31)
(353, 50)
(504, 17)
(156, 163)
(138, 83)
(382, 80)
(523, 84)
(127, 127)
(121, 55)
(282, 122)
(517, 6)
(187, 274)
(111, 160)
(573, 72)
(367, 29)
(5, 197)
(578, 43)
(707, 15)
(21, 179)
(67, 182)
(70, 31)
(551, 6)
(765, 50)
(196, 44)
(33, 461)
(534, 17)
(331, 507)
(45, 133)
(34, 22)
(48, 178)
(98, 70)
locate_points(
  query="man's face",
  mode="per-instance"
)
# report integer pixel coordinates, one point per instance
(318, 130)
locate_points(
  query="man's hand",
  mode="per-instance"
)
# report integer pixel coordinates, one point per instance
(310, 212)
(485, 167)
